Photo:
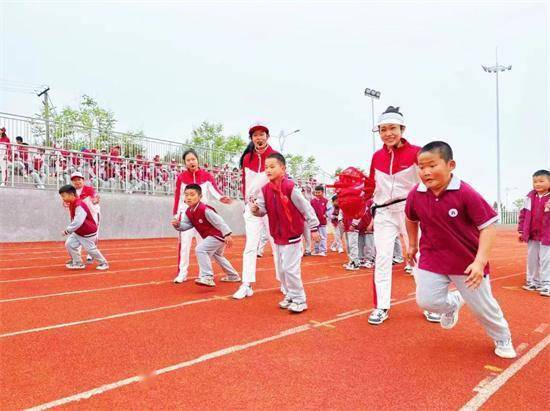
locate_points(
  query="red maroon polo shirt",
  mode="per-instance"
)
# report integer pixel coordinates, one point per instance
(450, 226)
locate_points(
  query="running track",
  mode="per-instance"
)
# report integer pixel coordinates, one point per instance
(129, 338)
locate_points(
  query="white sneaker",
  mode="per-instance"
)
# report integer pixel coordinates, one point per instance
(75, 266)
(102, 267)
(366, 264)
(408, 269)
(340, 250)
(505, 349)
(529, 287)
(243, 291)
(297, 307)
(333, 248)
(206, 281)
(378, 316)
(89, 259)
(449, 320)
(432, 317)
(231, 279)
(351, 266)
(180, 278)
(397, 260)
(285, 303)
(545, 291)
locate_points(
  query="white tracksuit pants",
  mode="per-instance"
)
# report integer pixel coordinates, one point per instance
(388, 224)
(538, 264)
(185, 239)
(307, 238)
(289, 258)
(253, 227)
(432, 294)
(209, 248)
(75, 242)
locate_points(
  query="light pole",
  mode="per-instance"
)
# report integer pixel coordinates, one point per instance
(282, 138)
(373, 94)
(497, 69)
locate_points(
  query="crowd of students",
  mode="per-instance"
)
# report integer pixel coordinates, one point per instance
(415, 190)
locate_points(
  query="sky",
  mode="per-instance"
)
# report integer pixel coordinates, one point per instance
(164, 67)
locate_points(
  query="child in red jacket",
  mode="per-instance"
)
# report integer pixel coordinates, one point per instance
(534, 229)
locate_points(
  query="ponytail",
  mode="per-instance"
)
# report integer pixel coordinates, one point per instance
(248, 150)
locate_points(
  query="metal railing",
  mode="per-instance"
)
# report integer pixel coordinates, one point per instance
(47, 133)
(509, 217)
(49, 168)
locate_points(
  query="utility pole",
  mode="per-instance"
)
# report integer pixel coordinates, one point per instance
(44, 95)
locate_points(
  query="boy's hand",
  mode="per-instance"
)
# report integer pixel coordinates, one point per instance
(520, 237)
(175, 223)
(64, 233)
(226, 200)
(253, 206)
(475, 271)
(315, 236)
(228, 241)
(370, 227)
(411, 254)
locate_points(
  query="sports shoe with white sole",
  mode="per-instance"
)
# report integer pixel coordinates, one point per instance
(230, 279)
(397, 260)
(89, 259)
(340, 250)
(545, 292)
(529, 287)
(284, 304)
(432, 317)
(449, 320)
(351, 266)
(378, 316)
(297, 307)
(505, 349)
(102, 267)
(408, 269)
(75, 266)
(243, 291)
(180, 279)
(366, 264)
(206, 281)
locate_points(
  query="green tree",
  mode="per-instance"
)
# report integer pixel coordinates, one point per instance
(518, 204)
(213, 146)
(301, 167)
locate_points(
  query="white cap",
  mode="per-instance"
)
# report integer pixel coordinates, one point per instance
(391, 117)
(258, 126)
(76, 175)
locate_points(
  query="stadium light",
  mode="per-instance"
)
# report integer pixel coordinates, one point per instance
(282, 139)
(373, 94)
(497, 69)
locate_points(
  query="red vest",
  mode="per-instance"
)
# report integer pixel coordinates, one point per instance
(320, 207)
(282, 230)
(89, 227)
(197, 216)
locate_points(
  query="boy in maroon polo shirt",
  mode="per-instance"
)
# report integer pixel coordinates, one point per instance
(214, 232)
(323, 210)
(287, 210)
(457, 235)
(534, 229)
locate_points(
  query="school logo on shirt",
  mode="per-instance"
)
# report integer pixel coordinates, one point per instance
(200, 220)
(453, 212)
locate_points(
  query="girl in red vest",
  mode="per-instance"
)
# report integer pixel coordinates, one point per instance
(287, 210)
(82, 231)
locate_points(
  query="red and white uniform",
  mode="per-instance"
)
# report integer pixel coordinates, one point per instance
(253, 179)
(5, 151)
(209, 190)
(87, 195)
(395, 173)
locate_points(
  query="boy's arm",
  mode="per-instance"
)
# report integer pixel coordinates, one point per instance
(412, 232)
(476, 269)
(184, 224)
(78, 220)
(305, 208)
(217, 221)
(521, 220)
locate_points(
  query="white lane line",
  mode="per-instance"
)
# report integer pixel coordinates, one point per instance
(541, 328)
(92, 290)
(488, 390)
(348, 313)
(60, 247)
(162, 308)
(203, 358)
(63, 255)
(103, 273)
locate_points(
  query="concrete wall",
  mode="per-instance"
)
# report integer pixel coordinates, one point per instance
(38, 215)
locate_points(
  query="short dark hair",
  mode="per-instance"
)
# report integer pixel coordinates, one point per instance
(19, 138)
(542, 173)
(279, 157)
(443, 149)
(67, 189)
(195, 187)
(319, 188)
(190, 151)
(334, 197)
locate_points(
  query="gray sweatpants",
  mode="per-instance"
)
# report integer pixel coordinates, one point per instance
(209, 248)
(321, 245)
(352, 241)
(289, 258)
(366, 247)
(432, 294)
(397, 249)
(538, 264)
(75, 241)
